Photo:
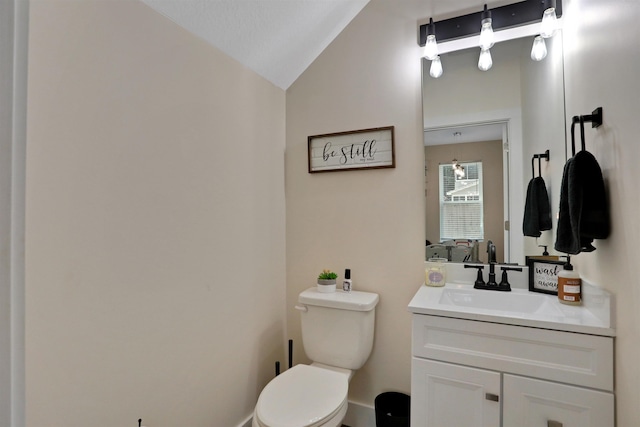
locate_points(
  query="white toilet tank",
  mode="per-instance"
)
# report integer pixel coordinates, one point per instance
(337, 327)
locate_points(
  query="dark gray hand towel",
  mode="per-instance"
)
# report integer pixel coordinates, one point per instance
(584, 211)
(537, 209)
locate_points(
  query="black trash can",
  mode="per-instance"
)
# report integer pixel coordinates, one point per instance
(392, 409)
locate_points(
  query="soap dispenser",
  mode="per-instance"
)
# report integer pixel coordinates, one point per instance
(569, 285)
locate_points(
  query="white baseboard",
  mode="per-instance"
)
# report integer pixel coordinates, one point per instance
(360, 415)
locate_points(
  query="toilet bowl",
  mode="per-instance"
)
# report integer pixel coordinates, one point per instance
(303, 396)
(337, 334)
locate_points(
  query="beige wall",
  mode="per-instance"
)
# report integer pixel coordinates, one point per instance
(490, 154)
(155, 223)
(371, 221)
(603, 72)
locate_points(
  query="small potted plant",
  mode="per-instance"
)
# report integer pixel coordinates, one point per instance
(327, 281)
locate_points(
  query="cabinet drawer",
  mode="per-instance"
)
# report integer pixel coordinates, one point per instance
(572, 358)
(531, 403)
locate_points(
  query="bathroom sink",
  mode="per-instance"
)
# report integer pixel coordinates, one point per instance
(514, 302)
(519, 307)
(519, 303)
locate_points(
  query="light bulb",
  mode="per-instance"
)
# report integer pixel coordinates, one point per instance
(436, 68)
(539, 49)
(549, 23)
(485, 62)
(486, 34)
(431, 47)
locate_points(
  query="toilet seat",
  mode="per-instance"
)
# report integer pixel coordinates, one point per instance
(303, 396)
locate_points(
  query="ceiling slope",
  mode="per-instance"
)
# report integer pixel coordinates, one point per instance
(278, 39)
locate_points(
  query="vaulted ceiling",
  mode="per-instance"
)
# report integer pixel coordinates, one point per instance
(279, 39)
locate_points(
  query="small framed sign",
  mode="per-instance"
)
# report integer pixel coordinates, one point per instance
(543, 274)
(356, 149)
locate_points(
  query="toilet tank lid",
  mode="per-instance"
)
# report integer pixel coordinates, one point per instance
(354, 300)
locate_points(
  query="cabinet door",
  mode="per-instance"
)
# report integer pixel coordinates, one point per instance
(447, 395)
(537, 403)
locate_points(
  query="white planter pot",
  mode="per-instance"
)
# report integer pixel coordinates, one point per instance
(326, 286)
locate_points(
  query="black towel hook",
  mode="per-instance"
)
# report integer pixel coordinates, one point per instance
(596, 120)
(545, 156)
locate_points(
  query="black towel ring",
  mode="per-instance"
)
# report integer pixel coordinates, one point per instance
(596, 120)
(544, 155)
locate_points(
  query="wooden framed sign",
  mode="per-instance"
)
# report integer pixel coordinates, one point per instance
(356, 149)
(543, 274)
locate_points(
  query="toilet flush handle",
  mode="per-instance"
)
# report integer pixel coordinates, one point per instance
(302, 308)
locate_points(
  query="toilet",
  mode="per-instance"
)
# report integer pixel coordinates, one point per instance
(337, 335)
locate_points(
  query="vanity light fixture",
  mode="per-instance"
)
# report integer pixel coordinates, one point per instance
(431, 45)
(486, 30)
(485, 62)
(539, 49)
(519, 14)
(436, 68)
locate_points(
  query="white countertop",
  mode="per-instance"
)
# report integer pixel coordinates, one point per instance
(593, 317)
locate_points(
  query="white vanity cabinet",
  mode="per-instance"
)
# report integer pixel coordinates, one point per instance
(469, 373)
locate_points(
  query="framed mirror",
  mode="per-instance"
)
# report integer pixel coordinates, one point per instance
(499, 119)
